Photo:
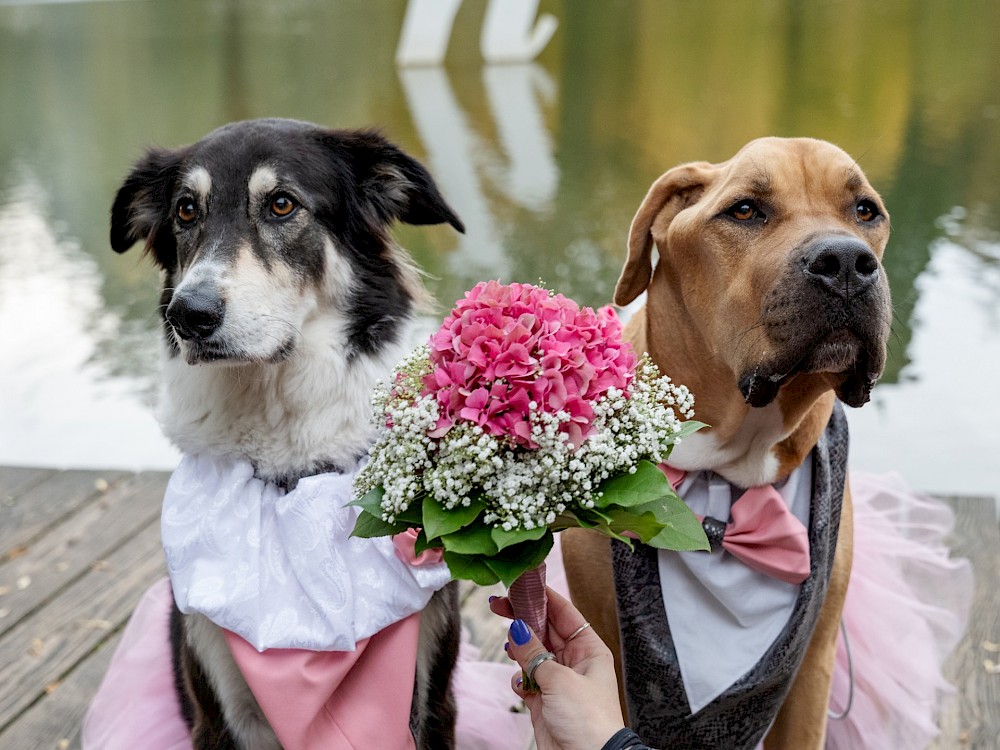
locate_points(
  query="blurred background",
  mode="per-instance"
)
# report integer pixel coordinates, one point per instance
(545, 161)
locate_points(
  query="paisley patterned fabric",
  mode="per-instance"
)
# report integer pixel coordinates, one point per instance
(280, 568)
(741, 715)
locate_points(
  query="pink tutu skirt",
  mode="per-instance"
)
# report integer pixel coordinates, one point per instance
(907, 607)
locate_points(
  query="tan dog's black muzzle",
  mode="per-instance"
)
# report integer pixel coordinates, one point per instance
(844, 266)
(828, 312)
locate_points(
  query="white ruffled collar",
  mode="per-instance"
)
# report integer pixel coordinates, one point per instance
(280, 568)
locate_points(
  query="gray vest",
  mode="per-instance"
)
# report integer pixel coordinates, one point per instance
(739, 717)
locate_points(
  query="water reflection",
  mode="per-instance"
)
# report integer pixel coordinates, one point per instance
(469, 169)
(545, 162)
(56, 394)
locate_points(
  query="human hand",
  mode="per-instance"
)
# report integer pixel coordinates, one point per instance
(576, 706)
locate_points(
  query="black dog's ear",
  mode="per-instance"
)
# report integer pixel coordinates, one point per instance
(396, 185)
(142, 205)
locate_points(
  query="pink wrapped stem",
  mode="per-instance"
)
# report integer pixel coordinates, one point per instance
(527, 599)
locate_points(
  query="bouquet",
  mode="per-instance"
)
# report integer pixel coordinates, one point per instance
(524, 415)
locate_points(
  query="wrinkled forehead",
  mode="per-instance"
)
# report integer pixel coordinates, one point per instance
(795, 167)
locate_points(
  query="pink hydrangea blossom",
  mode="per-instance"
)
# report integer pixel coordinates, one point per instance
(507, 350)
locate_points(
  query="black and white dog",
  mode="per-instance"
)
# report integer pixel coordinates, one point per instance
(284, 300)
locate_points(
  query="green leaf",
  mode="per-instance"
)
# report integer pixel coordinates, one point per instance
(682, 529)
(690, 427)
(644, 524)
(516, 559)
(504, 539)
(371, 501)
(647, 484)
(438, 521)
(470, 568)
(368, 526)
(474, 539)
(565, 521)
(413, 515)
(593, 516)
(573, 520)
(687, 428)
(422, 544)
(607, 531)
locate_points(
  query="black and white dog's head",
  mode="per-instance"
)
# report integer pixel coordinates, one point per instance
(261, 222)
(284, 296)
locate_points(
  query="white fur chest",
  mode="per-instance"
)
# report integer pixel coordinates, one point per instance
(284, 418)
(746, 459)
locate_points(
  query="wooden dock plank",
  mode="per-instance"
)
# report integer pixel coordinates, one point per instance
(51, 641)
(58, 642)
(13, 479)
(80, 539)
(32, 506)
(55, 722)
(971, 719)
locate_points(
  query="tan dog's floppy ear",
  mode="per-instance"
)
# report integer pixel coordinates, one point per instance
(674, 190)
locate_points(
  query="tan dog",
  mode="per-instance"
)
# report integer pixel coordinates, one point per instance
(769, 299)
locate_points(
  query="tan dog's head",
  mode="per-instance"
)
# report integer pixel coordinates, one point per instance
(774, 259)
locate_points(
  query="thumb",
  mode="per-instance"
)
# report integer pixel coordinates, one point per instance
(525, 646)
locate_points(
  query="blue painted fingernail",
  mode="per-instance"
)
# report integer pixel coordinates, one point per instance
(520, 681)
(519, 632)
(506, 647)
(491, 599)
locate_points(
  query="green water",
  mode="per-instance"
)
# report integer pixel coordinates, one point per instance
(545, 162)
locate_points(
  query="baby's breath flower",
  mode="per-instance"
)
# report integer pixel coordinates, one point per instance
(521, 487)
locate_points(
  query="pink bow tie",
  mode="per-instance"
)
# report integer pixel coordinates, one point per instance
(764, 534)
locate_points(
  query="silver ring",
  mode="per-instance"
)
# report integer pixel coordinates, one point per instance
(577, 632)
(529, 671)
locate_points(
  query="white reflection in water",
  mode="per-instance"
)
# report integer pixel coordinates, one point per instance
(453, 150)
(60, 409)
(513, 92)
(510, 31)
(426, 31)
(938, 427)
(457, 155)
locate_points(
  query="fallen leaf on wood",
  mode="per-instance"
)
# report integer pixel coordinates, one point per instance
(62, 745)
(35, 650)
(95, 624)
(990, 646)
(17, 552)
(101, 485)
(52, 687)
(991, 667)
(100, 565)
(23, 582)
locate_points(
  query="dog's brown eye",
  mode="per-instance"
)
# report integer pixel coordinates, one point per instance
(745, 210)
(282, 206)
(866, 210)
(187, 211)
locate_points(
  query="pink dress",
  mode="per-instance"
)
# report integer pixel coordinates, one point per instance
(907, 607)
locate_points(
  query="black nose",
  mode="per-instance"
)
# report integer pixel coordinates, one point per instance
(196, 313)
(843, 265)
